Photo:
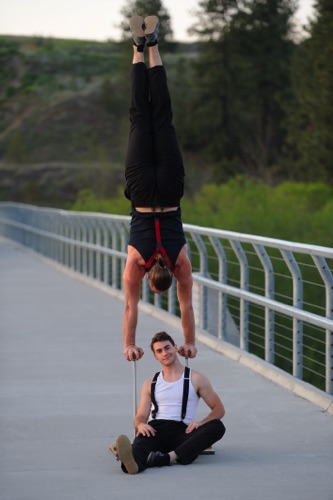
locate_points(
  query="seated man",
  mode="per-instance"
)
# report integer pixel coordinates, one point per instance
(165, 428)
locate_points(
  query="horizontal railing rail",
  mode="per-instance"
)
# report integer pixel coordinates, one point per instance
(270, 297)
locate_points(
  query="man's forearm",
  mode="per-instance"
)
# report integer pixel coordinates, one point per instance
(138, 421)
(130, 320)
(188, 325)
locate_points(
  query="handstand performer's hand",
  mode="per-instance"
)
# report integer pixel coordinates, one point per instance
(188, 350)
(132, 352)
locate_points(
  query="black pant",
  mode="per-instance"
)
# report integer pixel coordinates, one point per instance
(154, 166)
(170, 436)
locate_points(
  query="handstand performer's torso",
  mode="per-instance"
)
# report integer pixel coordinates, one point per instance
(143, 235)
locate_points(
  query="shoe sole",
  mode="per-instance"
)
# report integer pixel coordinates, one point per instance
(151, 22)
(136, 23)
(124, 452)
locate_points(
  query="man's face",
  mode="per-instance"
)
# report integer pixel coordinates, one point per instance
(165, 352)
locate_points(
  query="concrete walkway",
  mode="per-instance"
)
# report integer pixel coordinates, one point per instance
(66, 393)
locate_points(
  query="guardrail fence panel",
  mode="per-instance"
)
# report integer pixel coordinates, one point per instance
(270, 297)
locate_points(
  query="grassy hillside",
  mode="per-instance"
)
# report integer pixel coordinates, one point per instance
(64, 117)
(56, 100)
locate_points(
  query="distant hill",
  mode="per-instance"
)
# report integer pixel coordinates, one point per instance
(59, 100)
(64, 109)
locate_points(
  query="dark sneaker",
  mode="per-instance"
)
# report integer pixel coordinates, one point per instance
(137, 26)
(158, 459)
(152, 24)
(125, 455)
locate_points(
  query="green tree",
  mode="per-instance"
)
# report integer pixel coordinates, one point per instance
(243, 78)
(311, 119)
(146, 8)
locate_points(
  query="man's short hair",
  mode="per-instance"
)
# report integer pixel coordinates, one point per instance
(161, 337)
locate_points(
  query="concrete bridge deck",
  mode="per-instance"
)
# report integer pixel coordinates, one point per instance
(66, 393)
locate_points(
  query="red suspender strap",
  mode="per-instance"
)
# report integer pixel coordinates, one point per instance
(158, 232)
(159, 247)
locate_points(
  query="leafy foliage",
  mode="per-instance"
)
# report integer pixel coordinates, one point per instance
(292, 211)
(311, 120)
(248, 54)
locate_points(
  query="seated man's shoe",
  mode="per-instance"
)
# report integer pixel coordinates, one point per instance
(137, 26)
(158, 459)
(125, 455)
(152, 24)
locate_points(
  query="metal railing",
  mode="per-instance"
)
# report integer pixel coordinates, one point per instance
(270, 297)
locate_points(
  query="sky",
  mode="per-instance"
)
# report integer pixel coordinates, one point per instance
(94, 19)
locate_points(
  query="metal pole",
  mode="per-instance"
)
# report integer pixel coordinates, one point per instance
(134, 391)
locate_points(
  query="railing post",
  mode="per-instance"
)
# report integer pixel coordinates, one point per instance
(297, 302)
(200, 290)
(123, 245)
(73, 232)
(172, 297)
(244, 285)
(269, 293)
(116, 269)
(92, 239)
(106, 258)
(85, 251)
(222, 298)
(328, 280)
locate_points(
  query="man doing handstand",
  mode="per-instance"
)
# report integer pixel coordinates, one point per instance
(154, 185)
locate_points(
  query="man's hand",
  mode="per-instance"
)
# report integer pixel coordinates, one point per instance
(133, 353)
(192, 427)
(188, 350)
(145, 430)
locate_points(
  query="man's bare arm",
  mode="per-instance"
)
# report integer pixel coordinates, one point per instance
(131, 280)
(205, 390)
(141, 418)
(183, 274)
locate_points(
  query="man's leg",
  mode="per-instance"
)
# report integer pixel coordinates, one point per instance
(140, 167)
(198, 440)
(185, 448)
(134, 456)
(169, 162)
(142, 447)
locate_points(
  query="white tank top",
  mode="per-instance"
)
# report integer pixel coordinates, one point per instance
(169, 397)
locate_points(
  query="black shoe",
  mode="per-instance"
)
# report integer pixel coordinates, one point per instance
(158, 459)
(137, 26)
(152, 24)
